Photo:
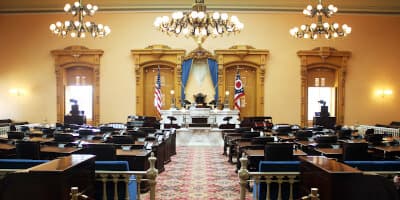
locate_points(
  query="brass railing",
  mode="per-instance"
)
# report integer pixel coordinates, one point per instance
(269, 178)
(379, 130)
(116, 177)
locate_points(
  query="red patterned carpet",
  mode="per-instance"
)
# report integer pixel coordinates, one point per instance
(198, 173)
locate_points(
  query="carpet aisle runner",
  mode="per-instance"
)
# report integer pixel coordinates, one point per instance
(198, 173)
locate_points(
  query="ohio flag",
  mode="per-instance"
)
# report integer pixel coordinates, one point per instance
(239, 91)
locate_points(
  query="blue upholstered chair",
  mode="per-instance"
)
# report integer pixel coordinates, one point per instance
(115, 166)
(277, 166)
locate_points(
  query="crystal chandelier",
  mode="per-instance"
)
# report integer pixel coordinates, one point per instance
(320, 28)
(198, 24)
(79, 28)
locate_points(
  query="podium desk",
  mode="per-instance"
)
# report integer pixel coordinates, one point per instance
(137, 158)
(51, 180)
(332, 178)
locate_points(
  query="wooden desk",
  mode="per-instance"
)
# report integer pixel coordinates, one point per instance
(332, 178)
(52, 152)
(51, 180)
(6, 147)
(330, 151)
(137, 158)
(260, 152)
(286, 138)
(40, 139)
(306, 143)
(388, 151)
(7, 150)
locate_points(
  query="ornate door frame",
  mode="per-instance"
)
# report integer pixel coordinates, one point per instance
(73, 56)
(325, 57)
(156, 55)
(243, 55)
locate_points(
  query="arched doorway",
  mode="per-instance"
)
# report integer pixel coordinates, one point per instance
(323, 67)
(248, 105)
(78, 66)
(147, 61)
(251, 63)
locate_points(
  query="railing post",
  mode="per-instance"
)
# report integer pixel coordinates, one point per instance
(152, 173)
(313, 195)
(243, 176)
(74, 193)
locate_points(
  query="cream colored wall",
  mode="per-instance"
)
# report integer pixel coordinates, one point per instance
(26, 62)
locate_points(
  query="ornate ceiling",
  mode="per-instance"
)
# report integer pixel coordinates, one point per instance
(345, 6)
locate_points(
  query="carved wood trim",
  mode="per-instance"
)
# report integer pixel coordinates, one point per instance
(156, 55)
(323, 57)
(247, 56)
(74, 56)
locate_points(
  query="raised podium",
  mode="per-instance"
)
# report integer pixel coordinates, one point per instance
(203, 117)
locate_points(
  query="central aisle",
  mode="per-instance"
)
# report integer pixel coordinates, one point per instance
(199, 171)
(199, 137)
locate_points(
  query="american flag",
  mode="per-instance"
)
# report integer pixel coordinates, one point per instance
(157, 93)
(239, 91)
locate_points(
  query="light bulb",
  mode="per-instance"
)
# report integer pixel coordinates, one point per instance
(234, 19)
(67, 23)
(319, 7)
(200, 15)
(193, 14)
(303, 27)
(52, 27)
(89, 6)
(58, 24)
(309, 7)
(313, 26)
(335, 25)
(107, 29)
(165, 19)
(67, 7)
(175, 15)
(95, 8)
(76, 4)
(216, 15)
(73, 34)
(224, 16)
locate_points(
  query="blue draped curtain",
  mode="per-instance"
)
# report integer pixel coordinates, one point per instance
(213, 66)
(186, 65)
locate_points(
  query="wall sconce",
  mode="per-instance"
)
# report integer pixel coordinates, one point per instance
(172, 92)
(17, 91)
(383, 93)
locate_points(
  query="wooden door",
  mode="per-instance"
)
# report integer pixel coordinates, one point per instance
(167, 84)
(248, 78)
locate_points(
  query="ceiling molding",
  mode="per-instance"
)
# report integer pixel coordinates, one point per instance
(386, 7)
